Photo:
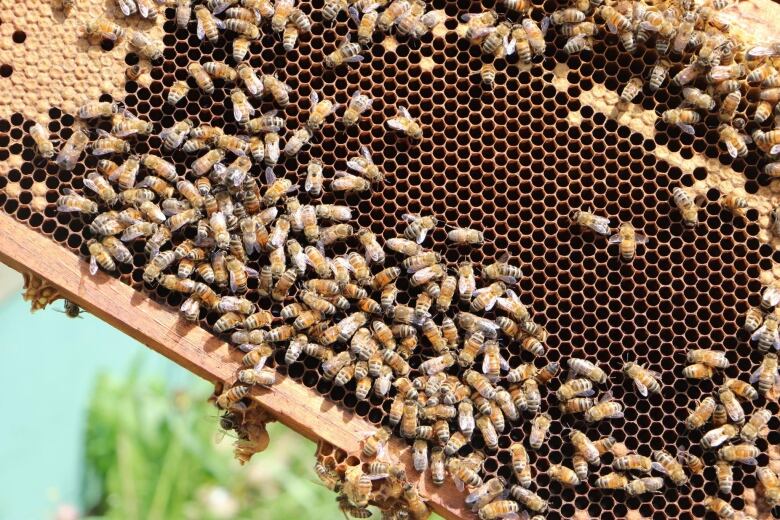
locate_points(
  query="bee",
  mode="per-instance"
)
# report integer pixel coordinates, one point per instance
(701, 414)
(681, 117)
(488, 431)
(71, 202)
(347, 52)
(729, 106)
(712, 358)
(535, 36)
(766, 375)
(587, 369)
(263, 377)
(751, 430)
(183, 13)
(319, 112)
(99, 255)
(670, 467)
(201, 77)
(43, 144)
(414, 503)
(231, 396)
(148, 47)
(174, 136)
(767, 335)
(641, 486)
(364, 165)
(485, 493)
(498, 509)
(279, 90)
(720, 507)
(357, 486)
(349, 183)
(587, 219)
(497, 40)
(658, 75)
(744, 453)
(735, 143)
(612, 481)
(72, 150)
(686, 203)
(539, 430)
(100, 185)
(404, 123)
(633, 462)
(242, 109)
(101, 28)
(698, 371)
(529, 499)
(564, 475)
(575, 388)
(366, 25)
(734, 409)
(631, 90)
(771, 483)
(374, 444)
(464, 236)
(604, 409)
(208, 24)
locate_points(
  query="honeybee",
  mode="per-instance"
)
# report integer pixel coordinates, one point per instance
(99, 255)
(72, 150)
(201, 77)
(464, 236)
(744, 453)
(686, 203)
(641, 486)
(754, 426)
(183, 13)
(174, 136)
(712, 358)
(575, 388)
(682, 117)
(577, 44)
(374, 444)
(535, 36)
(735, 143)
(100, 185)
(631, 90)
(633, 462)
(415, 504)
(357, 486)
(72, 202)
(539, 430)
(242, 109)
(658, 75)
(404, 123)
(347, 52)
(729, 105)
(564, 475)
(612, 481)
(488, 75)
(148, 47)
(208, 24)
(497, 40)
(767, 335)
(670, 467)
(720, 507)
(359, 103)
(485, 493)
(701, 414)
(498, 509)
(101, 28)
(529, 499)
(771, 483)
(587, 369)
(364, 165)
(231, 396)
(767, 374)
(587, 219)
(43, 144)
(604, 409)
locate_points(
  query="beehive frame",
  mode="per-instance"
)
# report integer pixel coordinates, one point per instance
(537, 113)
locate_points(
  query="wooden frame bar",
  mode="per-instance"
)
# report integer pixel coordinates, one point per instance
(160, 328)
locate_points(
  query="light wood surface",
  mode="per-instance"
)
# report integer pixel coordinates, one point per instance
(200, 352)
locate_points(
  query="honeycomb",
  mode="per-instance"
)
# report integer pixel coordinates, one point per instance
(513, 162)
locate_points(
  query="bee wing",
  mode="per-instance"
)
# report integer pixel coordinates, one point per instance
(200, 31)
(647, 26)
(353, 13)
(270, 178)
(659, 468)
(93, 265)
(352, 164)
(404, 111)
(395, 124)
(615, 239)
(545, 24)
(458, 483)
(465, 17)
(775, 149)
(688, 129)
(736, 412)
(601, 225)
(89, 183)
(640, 239)
(127, 8)
(642, 389)
(490, 304)
(509, 45)
(314, 97)
(756, 375)
(757, 334)
(611, 27)
(423, 234)
(503, 363)
(732, 150)
(410, 217)
(355, 59)
(760, 51)
(364, 151)
(238, 114)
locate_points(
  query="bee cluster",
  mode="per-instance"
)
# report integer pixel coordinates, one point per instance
(295, 280)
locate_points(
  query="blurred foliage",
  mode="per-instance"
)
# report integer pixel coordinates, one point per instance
(151, 454)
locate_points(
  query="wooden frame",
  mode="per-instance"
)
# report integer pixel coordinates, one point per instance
(161, 329)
